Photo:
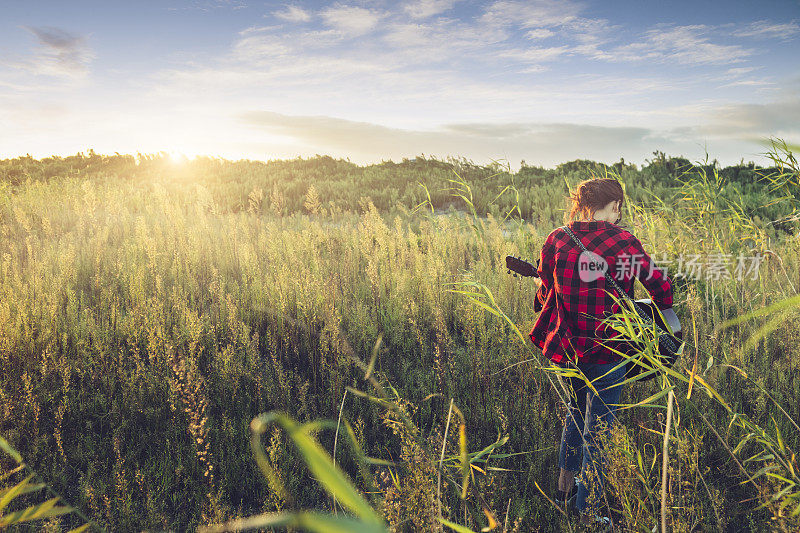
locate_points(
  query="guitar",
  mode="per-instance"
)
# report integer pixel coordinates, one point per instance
(670, 342)
(521, 267)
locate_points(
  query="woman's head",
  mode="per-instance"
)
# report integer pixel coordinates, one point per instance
(597, 199)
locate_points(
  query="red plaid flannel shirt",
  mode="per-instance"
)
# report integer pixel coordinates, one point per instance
(572, 309)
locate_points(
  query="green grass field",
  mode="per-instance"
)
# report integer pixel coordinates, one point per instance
(149, 311)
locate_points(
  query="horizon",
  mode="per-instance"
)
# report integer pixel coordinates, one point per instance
(179, 159)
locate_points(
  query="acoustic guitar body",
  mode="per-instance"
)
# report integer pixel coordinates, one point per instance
(669, 323)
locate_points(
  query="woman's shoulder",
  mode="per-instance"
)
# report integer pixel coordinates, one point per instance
(602, 231)
(623, 238)
(629, 237)
(599, 227)
(618, 232)
(605, 235)
(556, 236)
(624, 233)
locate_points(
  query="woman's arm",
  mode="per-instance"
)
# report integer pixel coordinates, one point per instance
(545, 270)
(653, 278)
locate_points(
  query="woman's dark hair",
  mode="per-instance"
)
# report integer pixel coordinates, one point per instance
(594, 194)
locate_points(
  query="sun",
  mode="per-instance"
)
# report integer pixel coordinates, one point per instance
(176, 157)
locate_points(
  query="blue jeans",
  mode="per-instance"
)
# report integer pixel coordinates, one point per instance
(598, 410)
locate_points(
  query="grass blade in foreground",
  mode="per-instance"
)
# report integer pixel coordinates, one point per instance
(320, 464)
(40, 511)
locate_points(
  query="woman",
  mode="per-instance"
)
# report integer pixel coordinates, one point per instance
(573, 302)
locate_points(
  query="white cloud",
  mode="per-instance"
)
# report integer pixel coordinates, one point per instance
(414, 35)
(489, 130)
(547, 144)
(421, 9)
(765, 29)
(351, 20)
(780, 117)
(293, 14)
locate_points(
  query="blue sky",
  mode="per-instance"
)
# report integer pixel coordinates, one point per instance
(544, 81)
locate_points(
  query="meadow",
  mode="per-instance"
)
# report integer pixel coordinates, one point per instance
(151, 309)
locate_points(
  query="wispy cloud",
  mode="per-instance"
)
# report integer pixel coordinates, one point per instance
(590, 36)
(738, 71)
(688, 45)
(351, 20)
(293, 14)
(254, 47)
(210, 5)
(749, 83)
(439, 39)
(530, 14)
(539, 33)
(765, 29)
(421, 9)
(535, 54)
(59, 53)
(743, 77)
(585, 38)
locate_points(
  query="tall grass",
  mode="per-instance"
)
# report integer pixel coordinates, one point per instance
(149, 312)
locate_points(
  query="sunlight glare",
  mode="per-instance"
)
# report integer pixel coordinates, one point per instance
(177, 158)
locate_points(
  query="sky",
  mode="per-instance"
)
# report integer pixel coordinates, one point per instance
(542, 81)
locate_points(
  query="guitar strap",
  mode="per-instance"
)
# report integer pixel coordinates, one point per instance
(664, 337)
